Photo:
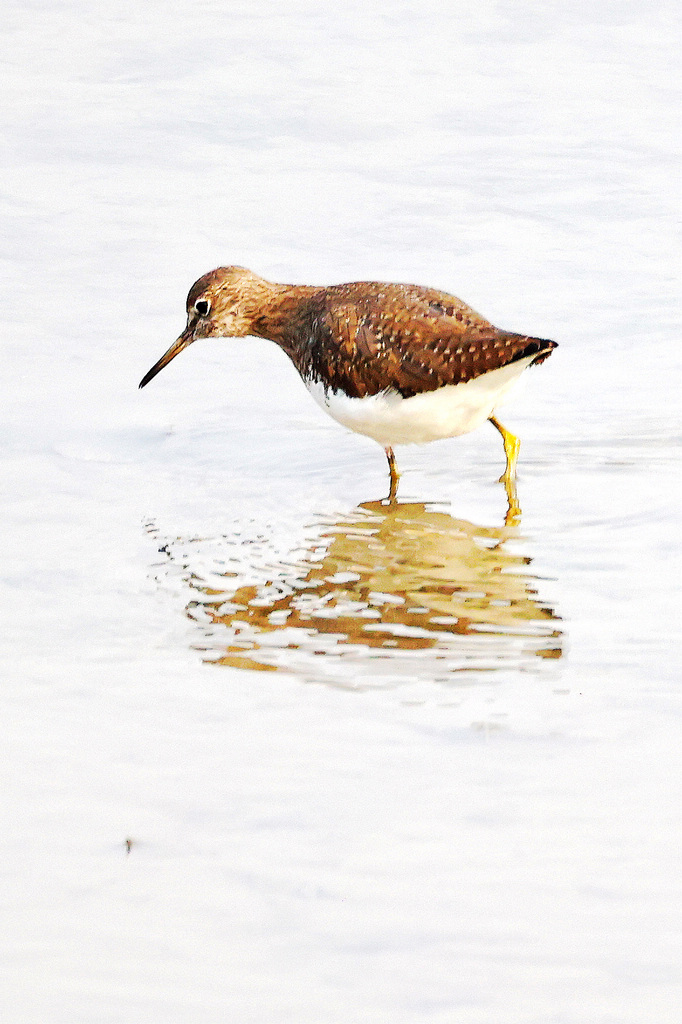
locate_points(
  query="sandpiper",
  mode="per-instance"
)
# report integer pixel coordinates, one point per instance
(400, 363)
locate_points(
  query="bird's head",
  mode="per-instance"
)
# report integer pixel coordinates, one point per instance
(220, 304)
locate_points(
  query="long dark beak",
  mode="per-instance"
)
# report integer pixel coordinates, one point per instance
(185, 339)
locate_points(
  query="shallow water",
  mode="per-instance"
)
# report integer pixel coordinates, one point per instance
(276, 750)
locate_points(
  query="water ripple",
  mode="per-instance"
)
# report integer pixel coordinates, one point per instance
(376, 596)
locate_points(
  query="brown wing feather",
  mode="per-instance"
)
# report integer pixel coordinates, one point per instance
(366, 337)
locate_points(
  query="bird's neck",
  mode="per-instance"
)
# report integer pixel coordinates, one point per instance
(280, 313)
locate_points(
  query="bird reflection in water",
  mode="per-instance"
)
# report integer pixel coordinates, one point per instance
(384, 593)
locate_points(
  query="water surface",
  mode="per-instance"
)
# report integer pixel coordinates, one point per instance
(384, 593)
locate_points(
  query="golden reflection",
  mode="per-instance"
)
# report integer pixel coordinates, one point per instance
(387, 581)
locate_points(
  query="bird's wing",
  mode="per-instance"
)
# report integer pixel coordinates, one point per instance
(408, 339)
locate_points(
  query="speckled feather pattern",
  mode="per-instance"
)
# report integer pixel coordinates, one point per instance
(365, 337)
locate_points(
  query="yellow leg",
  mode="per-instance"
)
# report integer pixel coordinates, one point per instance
(395, 475)
(511, 450)
(508, 478)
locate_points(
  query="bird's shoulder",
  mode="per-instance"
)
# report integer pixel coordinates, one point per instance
(395, 308)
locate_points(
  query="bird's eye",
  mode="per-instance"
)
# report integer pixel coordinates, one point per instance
(202, 307)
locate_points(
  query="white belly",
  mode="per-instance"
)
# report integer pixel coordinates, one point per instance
(455, 409)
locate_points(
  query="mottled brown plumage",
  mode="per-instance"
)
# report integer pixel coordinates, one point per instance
(358, 340)
(365, 337)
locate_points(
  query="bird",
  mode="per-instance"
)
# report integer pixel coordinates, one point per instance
(400, 363)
